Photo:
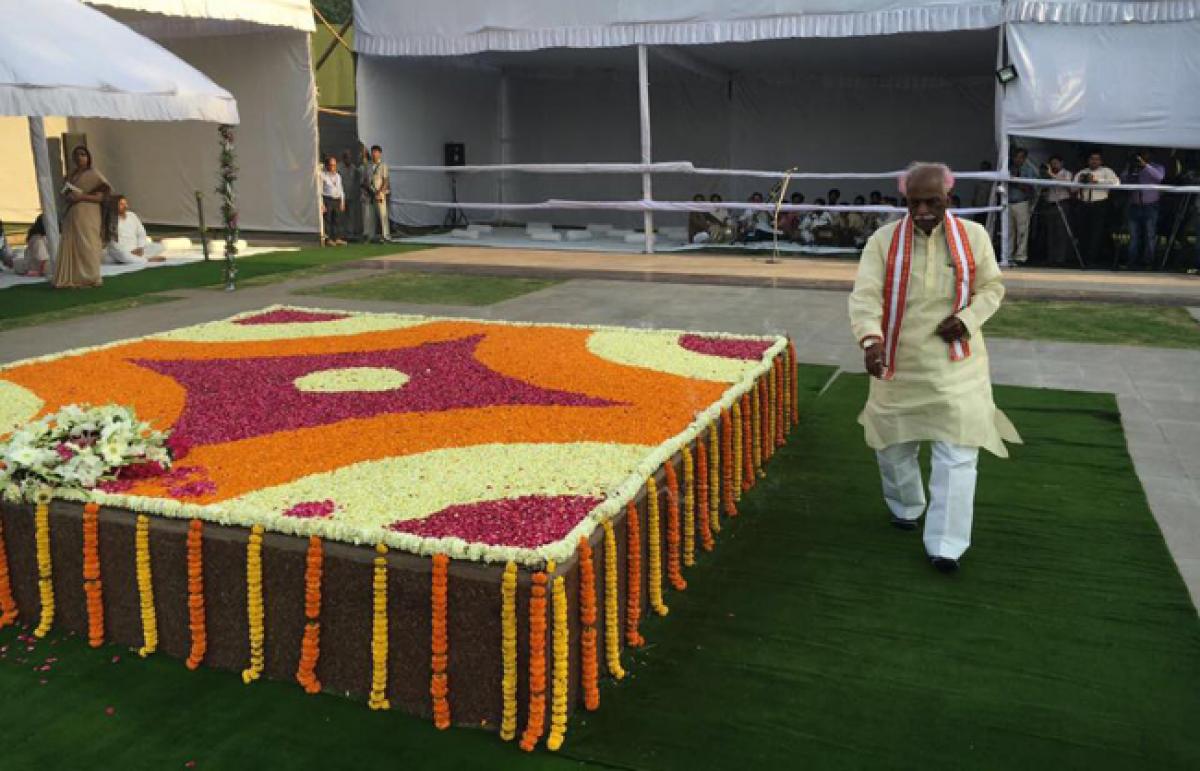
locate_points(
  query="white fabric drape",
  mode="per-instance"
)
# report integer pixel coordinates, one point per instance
(1122, 84)
(160, 166)
(294, 14)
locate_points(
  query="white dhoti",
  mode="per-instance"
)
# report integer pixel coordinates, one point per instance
(115, 254)
(951, 492)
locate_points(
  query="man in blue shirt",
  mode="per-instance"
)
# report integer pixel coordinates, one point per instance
(1020, 203)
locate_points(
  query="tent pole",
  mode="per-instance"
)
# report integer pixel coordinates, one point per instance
(644, 114)
(1002, 130)
(45, 183)
(505, 135)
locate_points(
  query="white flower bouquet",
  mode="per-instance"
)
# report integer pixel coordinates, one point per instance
(79, 447)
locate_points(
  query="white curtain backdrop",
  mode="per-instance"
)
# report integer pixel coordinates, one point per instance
(160, 166)
(1121, 84)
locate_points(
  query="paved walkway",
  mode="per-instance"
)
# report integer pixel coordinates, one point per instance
(789, 272)
(1158, 390)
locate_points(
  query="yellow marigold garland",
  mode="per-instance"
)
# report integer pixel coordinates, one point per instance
(41, 519)
(794, 386)
(756, 428)
(145, 582)
(747, 459)
(780, 401)
(310, 644)
(8, 606)
(379, 632)
(674, 557)
(562, 658)
(589, 648)
(715, 480)
(197, 622)
(735, 454)
(536, 722)
(612, 613)
(654, 544)
(254, 605)
(91, 574)
(689, 508)
(439, 685)
(633, 580)
(769, 441)
(730, 462)
(508, 651)
(706, 536)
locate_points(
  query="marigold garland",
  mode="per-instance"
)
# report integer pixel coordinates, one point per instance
(654, 548)
(145, 582)
(590, 674)
(795, 384)
(254, 605)
(562, 659)
(706, 535)
(756, 457)
(689, 508)
(439, 685)
(715, 454)
(785, 411)
(91, 574)
(748, 444)
(633, 581)
(197, 621)
(536, 721)
(780, 403)
(508, 651)
(45, 568)
(674, 574)
(612, 614)
(733, 451)
(769, 440)
(8, 606)
(731, 461)
(310, 644)
(379, 632)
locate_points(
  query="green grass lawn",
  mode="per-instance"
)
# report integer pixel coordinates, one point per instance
(816, 636)
(37, 303)
(432, 288)
(1108, 323)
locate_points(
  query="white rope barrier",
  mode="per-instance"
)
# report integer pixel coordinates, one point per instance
(670, 206)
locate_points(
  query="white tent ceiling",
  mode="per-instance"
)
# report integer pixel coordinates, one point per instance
(294, 14)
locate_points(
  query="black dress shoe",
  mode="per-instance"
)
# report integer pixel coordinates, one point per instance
(944, 564)
(904, 524)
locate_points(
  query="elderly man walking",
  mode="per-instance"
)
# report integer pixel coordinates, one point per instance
(925, 287)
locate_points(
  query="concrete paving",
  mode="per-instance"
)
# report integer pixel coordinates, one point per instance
(1158, 390)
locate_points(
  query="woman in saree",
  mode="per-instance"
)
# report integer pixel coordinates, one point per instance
(82, 246)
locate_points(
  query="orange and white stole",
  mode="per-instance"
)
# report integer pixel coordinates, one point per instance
(895, 288)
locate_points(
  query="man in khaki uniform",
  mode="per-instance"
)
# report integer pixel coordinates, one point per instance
(925, 287)
(376, 190)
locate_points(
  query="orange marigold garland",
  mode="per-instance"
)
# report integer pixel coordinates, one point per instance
(756, 456)
(8, 606)
(715, 454)
(689, 508)
(612, 612)
(379, 632)
(254, 605)
(91, 574)
(197, 621)
(562, 658)
(674, 574)
(439, 685)
(795, 384)
(633, 581)
(589, 664)
(41, 519)
(747, 458)
(508, 651)
(654, 548)
(310, 644)
(706, 536)
(733, 451)
(769, 439)
(730, 461)
(145, 582)
(536, 722)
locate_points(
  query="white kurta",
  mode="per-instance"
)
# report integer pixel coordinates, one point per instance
(931, 398)
(131, 234)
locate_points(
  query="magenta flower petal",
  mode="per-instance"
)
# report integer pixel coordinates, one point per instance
(529, 521)
(311, 510)
(286, 316)
(726, 347)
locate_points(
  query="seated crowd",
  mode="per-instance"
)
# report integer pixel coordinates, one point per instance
(821, 227)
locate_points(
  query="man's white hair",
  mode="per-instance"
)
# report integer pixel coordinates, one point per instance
(920, 168)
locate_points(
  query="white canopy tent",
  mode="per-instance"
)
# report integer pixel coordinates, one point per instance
(63, 58)
(259, 51)
(823, 85)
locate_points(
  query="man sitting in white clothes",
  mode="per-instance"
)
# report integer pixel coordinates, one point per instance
(130, 245)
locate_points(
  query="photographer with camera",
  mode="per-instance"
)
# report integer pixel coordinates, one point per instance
(1094, 236)
(1055, 236)
(1143, 210)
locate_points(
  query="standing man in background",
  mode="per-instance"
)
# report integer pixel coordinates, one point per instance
(1095, 240)
(376, 188)
(1143, 211)
(1020, 203)
(333, 202)
(925, 287)
(1053, 213)
(351, 171)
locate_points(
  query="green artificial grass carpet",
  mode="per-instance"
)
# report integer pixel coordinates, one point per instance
(432, 288)
(816, 636)
(1104, 323)
(36, 299)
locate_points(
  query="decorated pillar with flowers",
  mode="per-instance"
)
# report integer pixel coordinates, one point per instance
(229, 214)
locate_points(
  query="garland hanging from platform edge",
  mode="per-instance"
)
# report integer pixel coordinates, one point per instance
(229, 213)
